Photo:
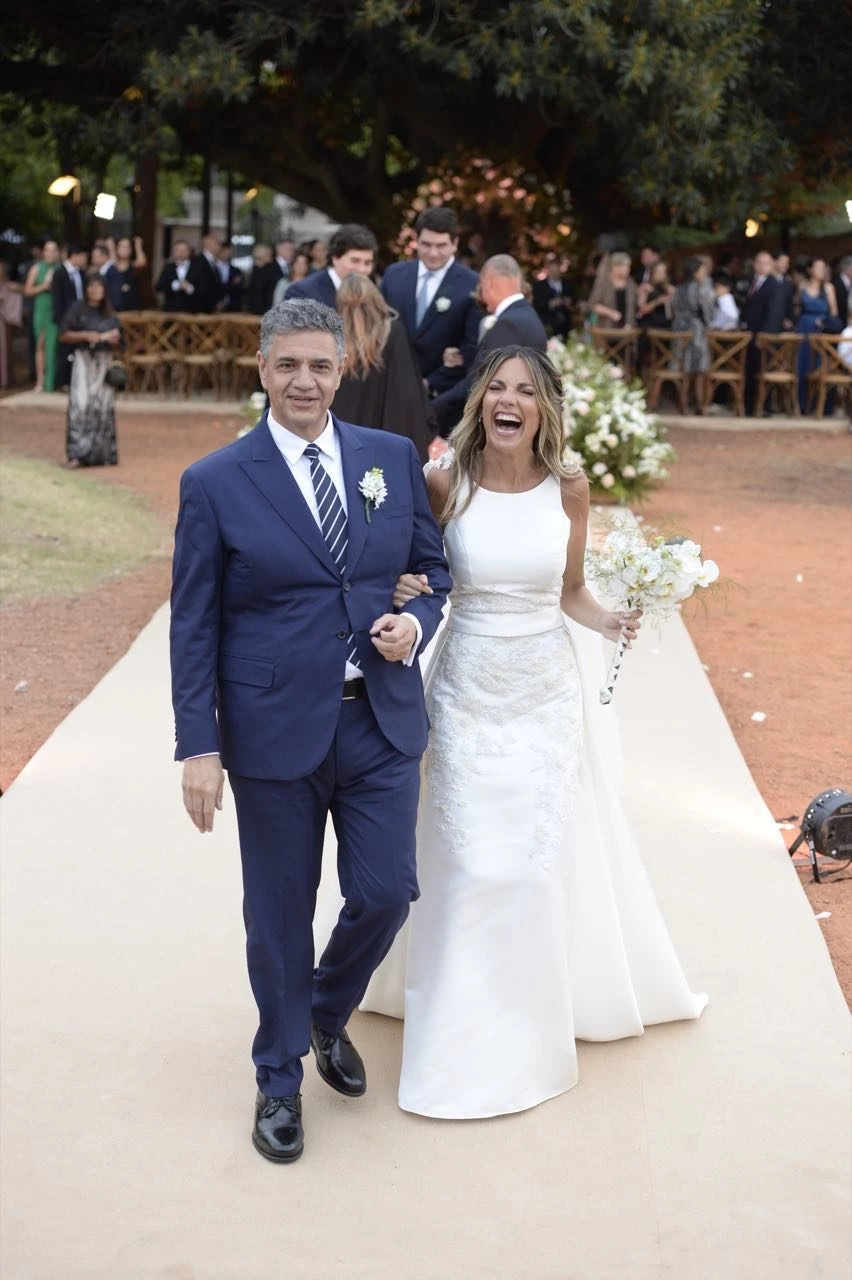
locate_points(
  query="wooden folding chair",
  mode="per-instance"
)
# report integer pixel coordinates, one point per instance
(619, 346)
(665, 364)
(778, 354)
(140, 368)
(828, 370)
(727, 366)
(243, 343)
(206, 352)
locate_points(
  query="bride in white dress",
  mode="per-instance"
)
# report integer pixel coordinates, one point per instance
(536, 924)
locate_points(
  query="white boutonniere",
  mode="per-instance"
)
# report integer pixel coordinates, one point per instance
(443, 304)
(374, 489)
(488, 323)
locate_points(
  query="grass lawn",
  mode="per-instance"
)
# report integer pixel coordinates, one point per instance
(63, 532)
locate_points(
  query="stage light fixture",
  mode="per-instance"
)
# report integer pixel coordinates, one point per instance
(827, 828)
(105, 206)
(64, 185)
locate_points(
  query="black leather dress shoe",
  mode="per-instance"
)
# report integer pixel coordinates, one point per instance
(339, 1062)
(277, 1132)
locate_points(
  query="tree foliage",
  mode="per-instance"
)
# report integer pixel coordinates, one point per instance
(683, 111)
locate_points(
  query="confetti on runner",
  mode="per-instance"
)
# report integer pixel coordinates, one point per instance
(758, 717)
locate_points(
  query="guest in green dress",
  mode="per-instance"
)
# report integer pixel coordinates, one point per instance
(38, 287)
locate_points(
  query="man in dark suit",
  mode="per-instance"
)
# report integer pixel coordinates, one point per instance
(352, 250)
(788, 290)
(291, 670)
(843, 287)
(649, 255)
(232, 280)
(553, 297)
(283, 260)
(762, 312)
(263, 279)
(174, 283)
(102, 262)
(514, 323)
(434, 297)
(204, 277)
(68, 285)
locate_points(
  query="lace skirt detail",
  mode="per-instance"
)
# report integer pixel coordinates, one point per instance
(506, 718)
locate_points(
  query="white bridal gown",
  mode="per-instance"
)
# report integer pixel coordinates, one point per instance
(536, 924)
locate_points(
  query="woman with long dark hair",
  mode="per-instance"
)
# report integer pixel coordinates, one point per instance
(91, 328)
(381, 386)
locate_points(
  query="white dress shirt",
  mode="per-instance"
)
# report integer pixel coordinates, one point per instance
(284, 267)
(434, 284)
(507, 302)
(181, 268)
(334, 277)
(76, 279)
(726, 314)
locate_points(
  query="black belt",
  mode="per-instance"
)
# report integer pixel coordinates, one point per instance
(354, 689)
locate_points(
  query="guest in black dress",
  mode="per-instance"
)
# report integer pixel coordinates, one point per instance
(91, 329)
(123, 282)
(381, 387)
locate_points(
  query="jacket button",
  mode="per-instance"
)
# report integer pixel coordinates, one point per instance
(347, 586)
(341, 635)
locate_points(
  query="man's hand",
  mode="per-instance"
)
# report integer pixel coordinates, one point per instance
(203, 784)
(453, 358)
(393, 636)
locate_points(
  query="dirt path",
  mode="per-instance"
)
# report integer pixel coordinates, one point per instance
(772, 508)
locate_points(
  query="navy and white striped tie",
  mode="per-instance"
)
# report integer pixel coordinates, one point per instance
(333, 525)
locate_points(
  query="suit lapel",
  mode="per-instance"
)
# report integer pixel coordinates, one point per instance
(270, 473)
(354, 467)
(409, 296)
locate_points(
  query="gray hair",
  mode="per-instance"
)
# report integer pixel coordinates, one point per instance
(502, 264)
(619, 260)
(301, 313)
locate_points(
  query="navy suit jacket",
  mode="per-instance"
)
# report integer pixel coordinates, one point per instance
(763, 312)
(442, 327)
(261, 614)
(319, 286)
(517, 326)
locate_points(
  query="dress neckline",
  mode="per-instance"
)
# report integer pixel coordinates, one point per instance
(513, 493)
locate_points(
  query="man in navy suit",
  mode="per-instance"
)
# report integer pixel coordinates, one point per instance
(761, 312)
(290, 670)
(352, 250)
(434, 296)
(515, 324)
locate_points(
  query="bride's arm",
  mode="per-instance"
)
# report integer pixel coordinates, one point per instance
(577, 600)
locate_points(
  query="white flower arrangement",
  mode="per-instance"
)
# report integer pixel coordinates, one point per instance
(443, 304)
(373, 487)
(607, 424)
(655, 577)
(252, 410)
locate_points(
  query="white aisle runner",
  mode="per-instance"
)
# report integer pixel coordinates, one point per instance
(716, 1150)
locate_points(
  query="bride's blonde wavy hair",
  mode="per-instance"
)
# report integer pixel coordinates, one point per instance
(468, 439)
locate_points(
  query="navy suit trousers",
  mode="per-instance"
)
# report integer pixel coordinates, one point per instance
(371, 791)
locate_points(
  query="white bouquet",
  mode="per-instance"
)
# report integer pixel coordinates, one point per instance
(252, 410)
(655, 577)
(607, 425)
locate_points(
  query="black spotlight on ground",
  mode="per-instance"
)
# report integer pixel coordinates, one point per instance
(827, 828)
